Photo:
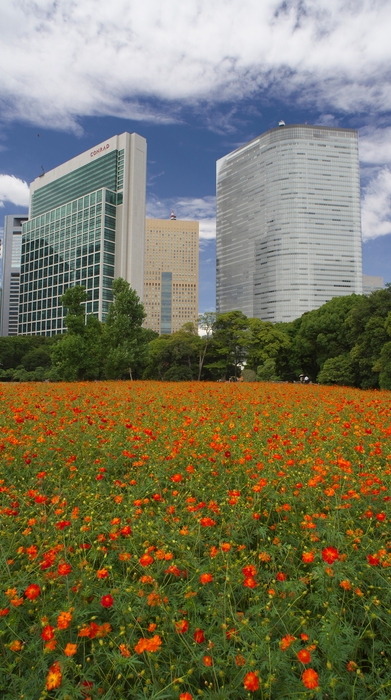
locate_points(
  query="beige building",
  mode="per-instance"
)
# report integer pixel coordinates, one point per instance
(170, 273)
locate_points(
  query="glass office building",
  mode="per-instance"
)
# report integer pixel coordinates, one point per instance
(288, 222)
(86, 227)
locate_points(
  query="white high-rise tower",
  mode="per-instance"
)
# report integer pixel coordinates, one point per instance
(288, 222)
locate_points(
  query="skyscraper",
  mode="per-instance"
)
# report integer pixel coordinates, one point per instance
(288, 222)
(170, 273)
(11, 254)
(86, 227)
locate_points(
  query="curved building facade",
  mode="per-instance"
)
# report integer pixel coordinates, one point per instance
(288, 222)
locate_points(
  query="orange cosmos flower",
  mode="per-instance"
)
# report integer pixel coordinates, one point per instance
(182, 626)
(146, 560)
(287, 641)
(330, 555)
(54, 676)
(16, 645)
(225, 546)
(70, 649)
(208, 661)
(32, 591)
(308, 557)
(304, 656)
(251, 681)
(249, 582)
(240, 660)
(102, 573)
(63, 620)
(249, 571)
(47, 633)
(150, 645)
(64, 569)
(310, 678)
(346, 585)
(280, 576)
(185, 696)
(124, 651)
(351, 666)
(206, 578)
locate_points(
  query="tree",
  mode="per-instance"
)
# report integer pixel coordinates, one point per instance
(206, 323)
(78, 354)
(230, 341)
(125, 339)
(265, 342)
(338, 370)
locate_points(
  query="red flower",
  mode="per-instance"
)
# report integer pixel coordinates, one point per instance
(47, 633)
(310, 678)
(206, 578)
(304, 656)
(251, 681)
(207, 522)
(107, 601)
(249, 582)
(182, 626)
(64, 569)
(185, 696)
(373, 561)
(249, 570)
(208, 661)
(280, 576)
(199, 636)
(308, 557)
(32, 591)
(146, 560)
(330, 555)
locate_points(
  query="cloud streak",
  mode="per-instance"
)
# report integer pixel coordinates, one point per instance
(13, 190)
(62, 60)
(376, 206)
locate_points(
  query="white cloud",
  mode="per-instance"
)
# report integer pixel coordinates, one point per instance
(375, 145)
(13, 190)
(63, 59)
(202, 209)
(376, 206)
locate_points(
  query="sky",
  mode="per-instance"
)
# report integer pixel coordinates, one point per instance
(197, 79)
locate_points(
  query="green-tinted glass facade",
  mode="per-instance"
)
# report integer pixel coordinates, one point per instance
(68, 245)
(86, 179)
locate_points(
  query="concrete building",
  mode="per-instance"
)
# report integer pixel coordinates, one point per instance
(170, 273)
(86, 226)
(288, 222)
(10, 257)
(371, 283)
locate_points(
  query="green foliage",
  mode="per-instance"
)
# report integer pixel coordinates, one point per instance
(178, 373)
(230, 341)
(267, 371)
(338, 370)
(265, 342)
(125, 341)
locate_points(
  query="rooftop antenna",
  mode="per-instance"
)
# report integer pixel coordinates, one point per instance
(173, 217)
(43, 171)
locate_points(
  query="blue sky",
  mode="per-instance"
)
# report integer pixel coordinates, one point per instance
(197, 79)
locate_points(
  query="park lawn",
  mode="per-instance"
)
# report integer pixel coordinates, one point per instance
(184, 540)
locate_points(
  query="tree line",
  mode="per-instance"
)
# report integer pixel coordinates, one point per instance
(346, 341)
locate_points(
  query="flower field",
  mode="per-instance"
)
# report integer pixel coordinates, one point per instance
(191, 540)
